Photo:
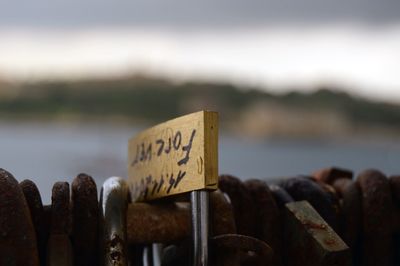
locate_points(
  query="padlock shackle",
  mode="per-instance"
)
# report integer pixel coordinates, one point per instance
(113, 208)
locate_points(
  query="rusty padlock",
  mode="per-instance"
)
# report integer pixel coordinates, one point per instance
(18, 244)
(59, 247)
(377, 209)
(34, 201)
(268, 226)
(85, 216)
(309, 240)
(243, 207)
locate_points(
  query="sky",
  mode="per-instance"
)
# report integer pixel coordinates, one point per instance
(279, 45)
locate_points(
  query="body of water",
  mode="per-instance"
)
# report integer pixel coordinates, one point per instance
(46, 153)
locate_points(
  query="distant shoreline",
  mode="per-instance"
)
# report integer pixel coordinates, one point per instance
(142, 101)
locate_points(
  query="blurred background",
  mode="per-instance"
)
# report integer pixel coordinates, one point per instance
(299, 85)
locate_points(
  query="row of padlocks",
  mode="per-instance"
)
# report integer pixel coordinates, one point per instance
(324, 219)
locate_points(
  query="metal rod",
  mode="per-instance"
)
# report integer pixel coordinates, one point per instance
(157, 252)
(200, 210)
(149, 255)
(113, 205)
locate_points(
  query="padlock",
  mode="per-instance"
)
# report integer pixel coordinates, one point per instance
(377, 209)
(59, 247)
(85, 216)
(18, 244)
(34, 201)
(310, 240)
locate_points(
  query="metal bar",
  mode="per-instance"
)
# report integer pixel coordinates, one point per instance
(157, 253)
(200, 210)
(175, 225)
(113, 205)
(150, 261)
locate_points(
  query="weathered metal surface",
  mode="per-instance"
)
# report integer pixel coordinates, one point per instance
(351, 218)
(59, 250)
(113, 207)
(268, 226)
(303, 188)
(47, 225)
(157, 223)
(341, 185)
(18, 244)
(177, 254)
(235, 249)
(47, 219)
(60, 209)
(329, 175)
(280, 195)
(221, 214)
(242, 202)
(309, 240)
(35, 205)
(369, 223)
(171, 222)
(85, 215)
(177, 156)
(377, 209)
(395, 188)
(331, 191)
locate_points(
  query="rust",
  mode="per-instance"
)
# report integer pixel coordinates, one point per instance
(329, 175)
(35, 206)
(330, 241)
(85, 213)
(334, 200)
(18, 245)
(312, 225)
(268, 227)
(246, 249)
(365, 213)
(242, 202)
(377, 209)
(60, 209)
(59, 250)
(115, 245)
(162, 223)
(302, 188)
(59, 247)
(221, 214)
(340, 185)
(171, 222)
(113, 212)
(280, 195)
(351, 218)
(309, 240)
(144, 224)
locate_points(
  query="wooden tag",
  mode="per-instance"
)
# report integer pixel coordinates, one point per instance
(174, 157)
